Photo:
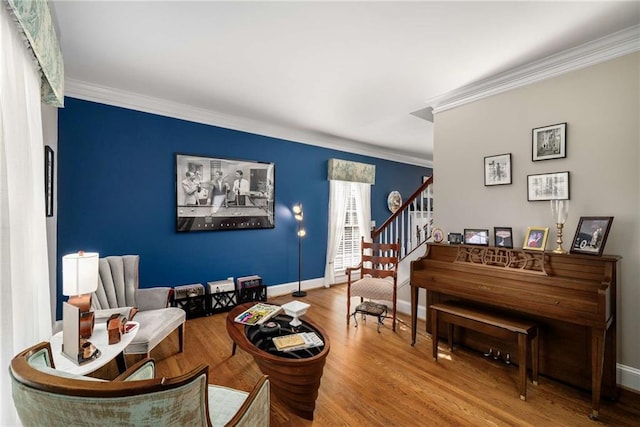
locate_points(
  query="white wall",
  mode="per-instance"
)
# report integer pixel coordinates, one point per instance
(50, 138)
(601, 106)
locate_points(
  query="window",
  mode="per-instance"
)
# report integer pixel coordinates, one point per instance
(348, 254)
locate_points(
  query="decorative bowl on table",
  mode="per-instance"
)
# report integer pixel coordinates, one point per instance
(295, 309)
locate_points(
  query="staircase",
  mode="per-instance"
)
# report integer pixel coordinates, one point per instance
(411, 224)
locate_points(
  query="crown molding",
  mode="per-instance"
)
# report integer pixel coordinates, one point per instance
(134, 101)
(600, 50)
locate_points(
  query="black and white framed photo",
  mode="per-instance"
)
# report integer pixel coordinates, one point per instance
(223, 194)
(503, 237)
(497, 169)
(548, 186)
(476, 236)
(48, 179)
(549, 142)
(591, 235)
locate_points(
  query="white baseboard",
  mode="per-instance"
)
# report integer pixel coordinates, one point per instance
(626, 376)
(287, 288)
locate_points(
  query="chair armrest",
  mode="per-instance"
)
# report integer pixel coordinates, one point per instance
(144, 369)
(152, 298)
(255, 410)
(349, 270)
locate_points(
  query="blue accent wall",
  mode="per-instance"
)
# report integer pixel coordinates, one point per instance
(116, 195)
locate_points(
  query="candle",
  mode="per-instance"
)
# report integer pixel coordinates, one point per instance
(559, 211)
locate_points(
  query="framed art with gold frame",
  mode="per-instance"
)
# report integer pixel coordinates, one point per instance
(536, 238)
(438, 235)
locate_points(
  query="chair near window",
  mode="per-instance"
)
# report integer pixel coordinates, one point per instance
(378, 276)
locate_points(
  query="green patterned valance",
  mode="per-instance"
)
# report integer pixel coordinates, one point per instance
(344, 170)
(35, 20)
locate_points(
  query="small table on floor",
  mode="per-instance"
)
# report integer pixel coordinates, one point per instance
(371, 309)
(295, 376)
(100, 339)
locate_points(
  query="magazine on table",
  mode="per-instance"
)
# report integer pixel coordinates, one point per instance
(258, 314)
(298, 341)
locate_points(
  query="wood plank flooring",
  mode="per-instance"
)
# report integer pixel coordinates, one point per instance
(376, 379)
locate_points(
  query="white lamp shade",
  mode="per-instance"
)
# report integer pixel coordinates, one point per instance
(79, 273)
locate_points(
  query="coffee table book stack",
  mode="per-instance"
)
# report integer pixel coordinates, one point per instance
(297, 341)
(257, 314)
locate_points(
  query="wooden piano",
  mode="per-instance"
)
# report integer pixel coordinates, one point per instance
(572, 298)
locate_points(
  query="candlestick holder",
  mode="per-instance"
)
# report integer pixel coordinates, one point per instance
(559, 249)
(559, 211)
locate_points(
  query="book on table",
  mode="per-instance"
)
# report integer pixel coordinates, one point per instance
(258, 314)
(297, 341)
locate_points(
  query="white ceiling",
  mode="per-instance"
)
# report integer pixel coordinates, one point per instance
(328, 73)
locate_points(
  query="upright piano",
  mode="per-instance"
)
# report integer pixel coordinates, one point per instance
(571, 297)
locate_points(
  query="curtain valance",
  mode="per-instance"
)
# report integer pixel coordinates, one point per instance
(345, 170)
(34, 18)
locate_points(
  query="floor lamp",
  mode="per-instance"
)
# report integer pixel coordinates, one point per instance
(299, 215)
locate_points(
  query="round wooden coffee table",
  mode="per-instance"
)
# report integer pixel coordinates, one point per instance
(294, 376)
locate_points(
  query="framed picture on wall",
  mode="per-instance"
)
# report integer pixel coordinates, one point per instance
(497, 169)
(591, 235)
(48, 180)
(548, 186)
(549, 142)
(215, 194)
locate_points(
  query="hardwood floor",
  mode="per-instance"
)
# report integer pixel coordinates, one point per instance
(376, 379)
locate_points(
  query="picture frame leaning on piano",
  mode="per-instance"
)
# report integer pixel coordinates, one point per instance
(591, 235)
(536, 238)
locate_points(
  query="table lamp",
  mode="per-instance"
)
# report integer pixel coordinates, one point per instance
(79, 280)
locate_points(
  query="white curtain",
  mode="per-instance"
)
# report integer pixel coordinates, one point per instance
(363, 207)
(338, 200)
(25, 313)
(339, 193)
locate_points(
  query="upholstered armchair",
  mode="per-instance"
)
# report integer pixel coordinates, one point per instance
(378, 279)
(45, 396)
(118, 292)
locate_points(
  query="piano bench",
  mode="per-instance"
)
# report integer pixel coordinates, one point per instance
(490, 323)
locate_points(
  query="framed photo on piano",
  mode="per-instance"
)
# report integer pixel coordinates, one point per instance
(536, 238)
(476, 236)
(503, 237)
(591, 235)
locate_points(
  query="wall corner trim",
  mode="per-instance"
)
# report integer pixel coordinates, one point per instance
(149, 104)
(600, 50)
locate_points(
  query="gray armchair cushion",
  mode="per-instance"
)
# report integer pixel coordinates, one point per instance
(155, 325)
(118, 292)
(152, 298)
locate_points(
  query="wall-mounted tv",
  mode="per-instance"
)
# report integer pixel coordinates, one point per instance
(214, 194)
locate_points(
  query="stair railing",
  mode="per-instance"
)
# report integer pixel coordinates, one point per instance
(411, 224)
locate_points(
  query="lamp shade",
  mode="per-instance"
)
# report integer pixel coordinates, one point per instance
(79, 273)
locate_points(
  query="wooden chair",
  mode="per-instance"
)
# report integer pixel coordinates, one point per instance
(378, 276)
(43, 395)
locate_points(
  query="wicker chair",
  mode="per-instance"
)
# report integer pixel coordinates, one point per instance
(44, 395)
(378, 278)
